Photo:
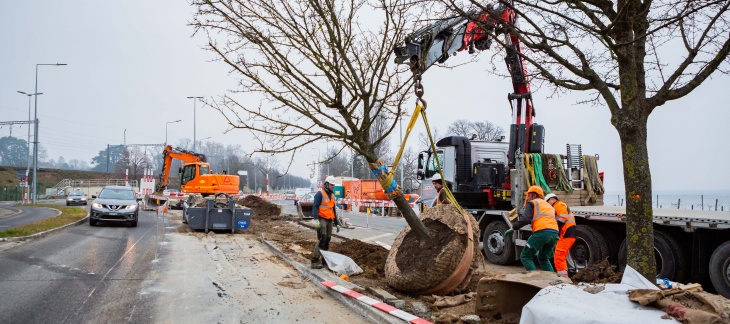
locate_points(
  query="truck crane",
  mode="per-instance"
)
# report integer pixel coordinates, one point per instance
(690, 245)
(195, 176)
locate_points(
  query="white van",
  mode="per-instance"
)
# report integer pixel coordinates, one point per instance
(300, 192)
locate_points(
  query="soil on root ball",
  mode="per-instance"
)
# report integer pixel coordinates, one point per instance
(601, 272)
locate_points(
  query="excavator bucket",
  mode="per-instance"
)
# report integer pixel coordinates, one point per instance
(155, 200)
(501, 295)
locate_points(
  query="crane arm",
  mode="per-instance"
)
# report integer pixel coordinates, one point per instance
(175, 153)
(437, 42)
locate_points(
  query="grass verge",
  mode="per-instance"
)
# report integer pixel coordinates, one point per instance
(68, 215)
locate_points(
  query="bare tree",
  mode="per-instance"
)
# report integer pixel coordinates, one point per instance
(631, 56)
(460, 127)
(487, 131)
(137, 162)
(320, 71)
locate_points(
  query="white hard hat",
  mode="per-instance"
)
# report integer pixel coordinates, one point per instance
(436, 177)
(550, 195)
(330, 180)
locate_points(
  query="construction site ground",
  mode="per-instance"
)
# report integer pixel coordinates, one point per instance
(297, 239)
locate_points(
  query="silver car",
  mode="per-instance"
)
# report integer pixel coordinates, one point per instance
(76, 197)
(115, 204)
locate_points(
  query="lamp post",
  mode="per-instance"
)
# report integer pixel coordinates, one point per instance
(35, 134)
(27, 169)
(167, 123)
(195, 100)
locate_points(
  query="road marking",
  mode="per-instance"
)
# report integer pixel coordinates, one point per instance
(376, 237)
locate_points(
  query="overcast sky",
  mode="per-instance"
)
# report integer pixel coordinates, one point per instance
(131, 65)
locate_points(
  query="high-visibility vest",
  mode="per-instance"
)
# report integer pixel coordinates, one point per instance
(326, 207)
(543, 216)
(564, 215)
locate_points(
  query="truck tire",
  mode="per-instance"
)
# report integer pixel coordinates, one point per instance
(495, 247)
(590, 247)
(614, 240)
(720, 269)
(669, 255)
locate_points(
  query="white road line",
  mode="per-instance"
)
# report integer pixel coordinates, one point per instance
(375, 237)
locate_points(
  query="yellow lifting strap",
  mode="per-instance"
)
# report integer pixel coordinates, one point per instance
(420, 111)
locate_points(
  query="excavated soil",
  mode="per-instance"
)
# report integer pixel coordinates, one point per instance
(371, 258)
(601, 272)
(262, 209)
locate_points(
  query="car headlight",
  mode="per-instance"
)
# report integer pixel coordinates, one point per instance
(96, 205)
(69, 199)
(131, 207)
(83, 198)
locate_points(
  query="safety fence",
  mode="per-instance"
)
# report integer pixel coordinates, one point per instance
(711, 202)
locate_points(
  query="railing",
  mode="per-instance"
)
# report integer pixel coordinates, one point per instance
(716, 202)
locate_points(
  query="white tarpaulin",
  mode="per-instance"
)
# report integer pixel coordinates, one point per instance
(341, 264)
(593, 303)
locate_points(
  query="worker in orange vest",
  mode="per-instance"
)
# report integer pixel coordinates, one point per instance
(438, 184)
(566, 224)
(324, 213)
(541, 216)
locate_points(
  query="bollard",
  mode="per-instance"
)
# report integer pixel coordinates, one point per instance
(367, 219)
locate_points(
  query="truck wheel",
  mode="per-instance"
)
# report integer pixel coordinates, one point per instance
(590, 247)
(720, 269)
(614, 240)
(669, 256)
(495, 247)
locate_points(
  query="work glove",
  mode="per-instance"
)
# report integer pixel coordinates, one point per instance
(508, 232)
(338, 228)
(316, 224)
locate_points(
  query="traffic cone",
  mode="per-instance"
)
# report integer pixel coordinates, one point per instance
(164, 212)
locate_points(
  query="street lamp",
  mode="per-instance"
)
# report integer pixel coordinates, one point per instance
(167, 123)
(35, 134)
(27, 170)
(195, 100)
(319, 157)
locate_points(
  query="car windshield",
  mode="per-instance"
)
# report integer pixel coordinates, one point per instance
(124, 194)
(77, 193)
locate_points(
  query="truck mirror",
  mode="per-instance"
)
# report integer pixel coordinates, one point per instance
(179, 170)
(420, 162)
(419, 175)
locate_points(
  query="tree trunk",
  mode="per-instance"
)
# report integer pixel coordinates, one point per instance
(637, 181)
(400, 201)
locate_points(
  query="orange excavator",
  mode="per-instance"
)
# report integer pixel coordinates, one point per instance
(195, 176)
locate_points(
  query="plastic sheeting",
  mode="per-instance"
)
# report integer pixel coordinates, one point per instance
(341, 264)
(593, 303)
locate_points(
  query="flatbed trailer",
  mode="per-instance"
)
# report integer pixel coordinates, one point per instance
(689, 245)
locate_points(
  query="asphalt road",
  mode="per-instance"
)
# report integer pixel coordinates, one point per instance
(27, 215)
(82, 274)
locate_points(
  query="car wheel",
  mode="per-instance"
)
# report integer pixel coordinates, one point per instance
(133, 223)
(668, 255)
(720, 269)
(67, 204)
(84, 204)
(92, 222)
(495, 247)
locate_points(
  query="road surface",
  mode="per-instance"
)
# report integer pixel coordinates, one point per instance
(151, 273)
(11, 218)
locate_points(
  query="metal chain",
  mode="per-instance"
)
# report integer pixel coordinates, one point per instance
(417, 86)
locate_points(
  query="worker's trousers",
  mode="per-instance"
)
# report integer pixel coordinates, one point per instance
(561, 254)
(542, 244)
(324, 235)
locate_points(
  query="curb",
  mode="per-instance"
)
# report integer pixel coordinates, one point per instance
(45, 233)
(15, 212)
(317, 279)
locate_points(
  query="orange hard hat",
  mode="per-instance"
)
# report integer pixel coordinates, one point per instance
(535, 189)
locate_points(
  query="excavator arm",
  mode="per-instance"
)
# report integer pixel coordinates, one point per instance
(437, 42)
(175, 153)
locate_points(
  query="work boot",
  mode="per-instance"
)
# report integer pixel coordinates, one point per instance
(316, 264)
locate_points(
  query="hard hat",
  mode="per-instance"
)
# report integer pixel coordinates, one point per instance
(436, 177)
(550, 195)
(330, 180)
(537, 190)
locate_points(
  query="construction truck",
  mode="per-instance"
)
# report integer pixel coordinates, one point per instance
(196, 177)
(488, 178)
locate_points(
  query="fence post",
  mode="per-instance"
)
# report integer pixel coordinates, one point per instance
(679, 200)
(702, 199)
(657, 201)
(716, 204)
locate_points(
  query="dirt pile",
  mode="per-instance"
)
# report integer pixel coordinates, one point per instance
(370, 257)
(262, 209)
(601, 272)
(427, 268)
